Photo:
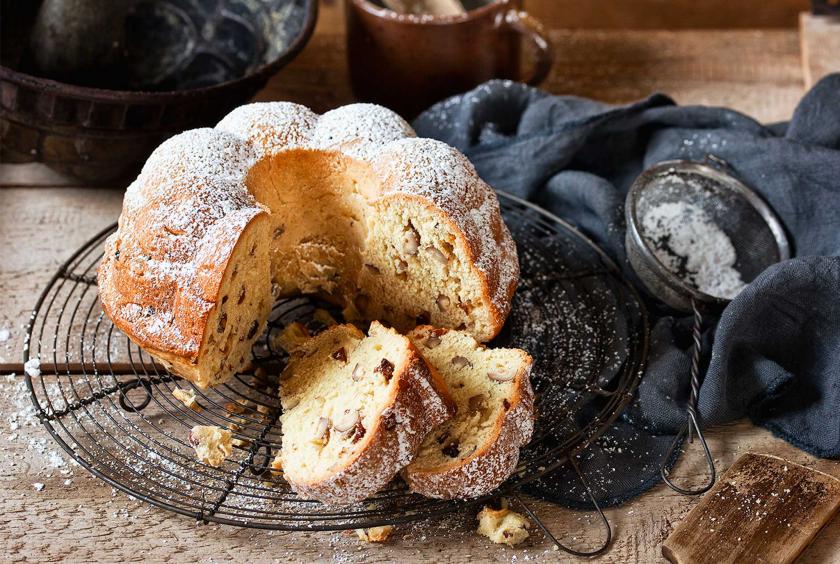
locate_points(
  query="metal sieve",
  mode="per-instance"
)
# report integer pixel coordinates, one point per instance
(757, 236)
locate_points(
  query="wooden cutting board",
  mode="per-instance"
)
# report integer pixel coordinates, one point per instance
(764, 509)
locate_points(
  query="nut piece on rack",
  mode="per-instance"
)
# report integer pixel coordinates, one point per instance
(276, 467)
(211, 444)
(503, 526)
(375, 534)
(187, 397)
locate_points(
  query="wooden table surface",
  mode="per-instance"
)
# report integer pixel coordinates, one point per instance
(44, 217)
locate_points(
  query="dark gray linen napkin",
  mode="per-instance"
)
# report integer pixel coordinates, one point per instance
(774, 353)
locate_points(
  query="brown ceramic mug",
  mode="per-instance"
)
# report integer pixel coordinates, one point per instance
(408, 62)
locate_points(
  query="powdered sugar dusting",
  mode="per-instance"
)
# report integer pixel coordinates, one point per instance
(184, 213)
(271, 126)
(691, 245)
(443, 175)
(359, 130)
(33, 367)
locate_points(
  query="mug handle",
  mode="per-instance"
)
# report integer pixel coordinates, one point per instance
(531, 28)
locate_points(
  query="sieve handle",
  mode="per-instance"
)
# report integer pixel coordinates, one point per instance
(597, 507)
(691, 427)
(696, 335)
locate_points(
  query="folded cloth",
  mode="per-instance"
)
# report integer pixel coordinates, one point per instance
(774, 353)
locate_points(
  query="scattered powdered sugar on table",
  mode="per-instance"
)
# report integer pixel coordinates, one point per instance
(689, 244)
(19, 425)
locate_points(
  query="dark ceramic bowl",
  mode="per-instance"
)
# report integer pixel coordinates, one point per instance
(181, 64)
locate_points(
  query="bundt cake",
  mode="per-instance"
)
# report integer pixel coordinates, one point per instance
(276, 201)
(475, 451)
(355, 410)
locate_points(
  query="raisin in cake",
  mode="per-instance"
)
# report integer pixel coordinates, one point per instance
(349, 205)
(355, 410)
(474, 452)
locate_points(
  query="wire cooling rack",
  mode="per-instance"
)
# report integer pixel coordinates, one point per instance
(111, 407)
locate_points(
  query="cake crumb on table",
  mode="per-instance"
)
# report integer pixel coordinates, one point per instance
(503, 526)
(375, 534)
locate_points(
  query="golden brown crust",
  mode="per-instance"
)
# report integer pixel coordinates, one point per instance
(492, 463)
(161, 271)
(469, 207)
(119, 287)
(415, 408)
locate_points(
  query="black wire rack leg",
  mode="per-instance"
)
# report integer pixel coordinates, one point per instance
(552, 538)
(691, 427)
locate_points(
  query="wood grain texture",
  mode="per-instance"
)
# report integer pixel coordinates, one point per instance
(764, 509)
(758, 72)
(84, 520)
(645, 14)
(820, 45)
(667, 14)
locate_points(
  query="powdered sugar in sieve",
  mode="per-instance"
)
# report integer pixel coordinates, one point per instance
(692, 246)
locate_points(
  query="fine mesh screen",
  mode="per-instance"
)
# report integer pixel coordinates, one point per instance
(750, 226)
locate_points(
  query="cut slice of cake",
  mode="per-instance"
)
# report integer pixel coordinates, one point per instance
(355, 411)
(474, 452)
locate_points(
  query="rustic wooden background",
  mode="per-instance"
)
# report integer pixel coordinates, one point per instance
(743, 54)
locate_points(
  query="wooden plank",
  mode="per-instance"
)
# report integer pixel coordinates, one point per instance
(758, 72)
(33, 174)
(763, 509)
(820, 37)
(667, 14)
(635, 14)
(39, 229)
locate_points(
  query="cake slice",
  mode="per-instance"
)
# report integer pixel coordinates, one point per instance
(355, 411)
(474, 452)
